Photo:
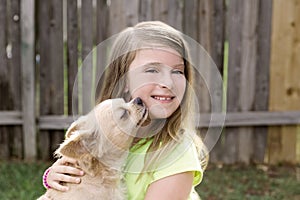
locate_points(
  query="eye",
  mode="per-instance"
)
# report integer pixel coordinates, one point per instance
(125, 114)
(180, 72)
(151, 70)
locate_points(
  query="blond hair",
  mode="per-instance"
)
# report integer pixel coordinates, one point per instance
(154, 34)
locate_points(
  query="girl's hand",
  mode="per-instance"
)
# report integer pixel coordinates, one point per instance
(44, 197)
(61, 172)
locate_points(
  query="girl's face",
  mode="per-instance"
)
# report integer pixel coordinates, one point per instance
(157, 77)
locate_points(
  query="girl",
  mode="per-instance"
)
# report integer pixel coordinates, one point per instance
(167, 158)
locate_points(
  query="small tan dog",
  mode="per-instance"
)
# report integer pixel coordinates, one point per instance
(100, 141)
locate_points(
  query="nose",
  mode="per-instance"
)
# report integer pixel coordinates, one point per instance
(138, 101)
(166, 82)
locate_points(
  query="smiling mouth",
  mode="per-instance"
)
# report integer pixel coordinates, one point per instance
(161, 98)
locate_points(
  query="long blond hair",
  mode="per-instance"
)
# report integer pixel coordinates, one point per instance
(150, 35)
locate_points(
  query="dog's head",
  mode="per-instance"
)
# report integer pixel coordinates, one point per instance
(106, 133)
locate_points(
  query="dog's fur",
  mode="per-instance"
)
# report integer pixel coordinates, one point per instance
(99, 142)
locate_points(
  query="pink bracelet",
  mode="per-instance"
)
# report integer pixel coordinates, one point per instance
(45, 176)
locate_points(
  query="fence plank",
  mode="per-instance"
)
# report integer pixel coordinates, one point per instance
(190, 16)
(241, 72)
(204, 24)
(248, 63)
(55, 122)
(218, 16)
(204, 83)
(257, 118)
(102, 34)
(218, 32)
(131, 12)
(51, 71)
(234, 65)
(15, 57)
(87, 58)
(261, 101)
(145, 13)
(57, 66)
(28, 79)
(175, 14)
(4, 87)
(117, 19)
(160, 10)
(44, 74)
(102, 21)
(72, 54)
(10, 118)
(15, 72)
(204, 38)
(284, 78)
(244, 119)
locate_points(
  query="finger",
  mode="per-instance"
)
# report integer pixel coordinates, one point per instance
(63, 174)
(67, 170)
(67, 179)
(57, 186)
(66, 160)
(56, 179)
(44, 197)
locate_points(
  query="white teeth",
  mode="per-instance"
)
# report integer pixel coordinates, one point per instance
(163, 98)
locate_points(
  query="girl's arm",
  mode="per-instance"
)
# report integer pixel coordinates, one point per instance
(61, 172)
(175, 187)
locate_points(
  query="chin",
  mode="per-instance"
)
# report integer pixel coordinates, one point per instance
(159, 115)
(158, 112)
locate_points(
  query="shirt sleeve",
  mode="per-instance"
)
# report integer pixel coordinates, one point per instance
(184, 158)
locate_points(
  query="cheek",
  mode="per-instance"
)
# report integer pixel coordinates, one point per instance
(180, 87)
(140, 90)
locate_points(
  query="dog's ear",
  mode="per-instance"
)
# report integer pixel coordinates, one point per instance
(71, 129)
(75, 126)
(72, 147)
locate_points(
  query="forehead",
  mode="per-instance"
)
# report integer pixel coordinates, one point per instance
(166, 56)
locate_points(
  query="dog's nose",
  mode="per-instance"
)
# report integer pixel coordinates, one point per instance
(138, 101)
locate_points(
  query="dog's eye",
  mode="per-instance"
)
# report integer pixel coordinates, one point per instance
(125, 114)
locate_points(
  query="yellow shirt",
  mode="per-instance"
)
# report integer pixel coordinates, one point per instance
(183, 158)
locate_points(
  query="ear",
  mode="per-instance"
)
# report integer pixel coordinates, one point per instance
(71, 129)
(75, 126)
(72, 147)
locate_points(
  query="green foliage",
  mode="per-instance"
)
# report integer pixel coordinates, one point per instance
(22, 181)
(255, 183)
(19, 180)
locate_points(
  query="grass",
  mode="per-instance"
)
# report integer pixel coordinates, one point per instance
(22, 181)
(252, 182)
(19, 180)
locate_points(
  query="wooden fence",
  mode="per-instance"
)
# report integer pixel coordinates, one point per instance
(42, 45)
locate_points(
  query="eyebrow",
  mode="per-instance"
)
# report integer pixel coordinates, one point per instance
(159, 64)
(178, 65)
